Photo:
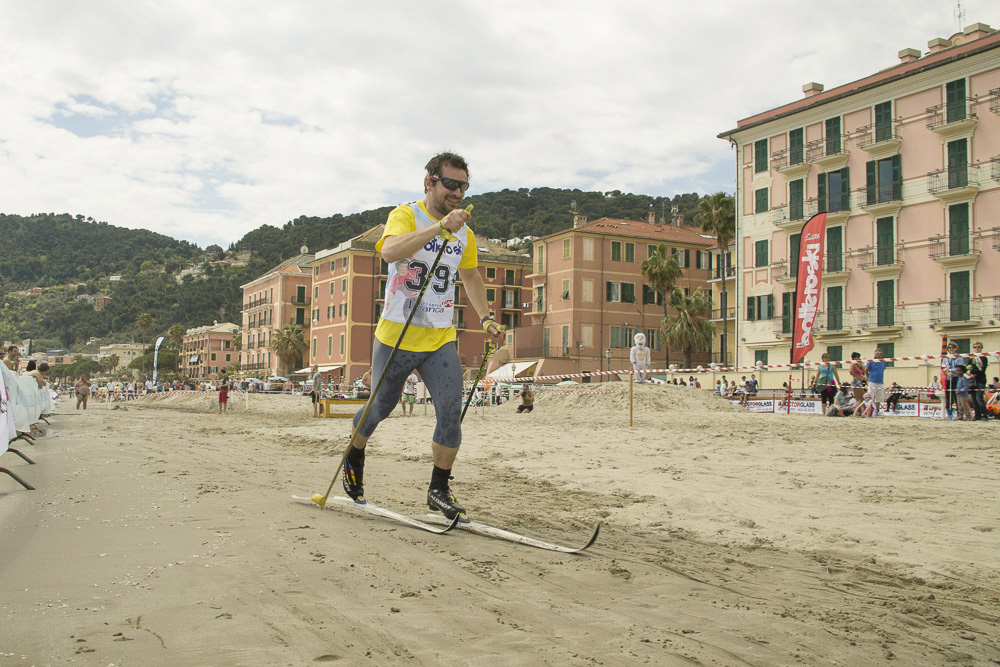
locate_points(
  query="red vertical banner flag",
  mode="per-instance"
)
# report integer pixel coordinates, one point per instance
(808, 284)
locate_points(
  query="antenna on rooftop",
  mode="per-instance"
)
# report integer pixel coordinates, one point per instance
(959, 14)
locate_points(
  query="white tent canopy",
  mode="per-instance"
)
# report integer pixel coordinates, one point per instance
(322, 369)
(512, 370)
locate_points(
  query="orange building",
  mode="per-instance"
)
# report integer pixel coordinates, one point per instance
(348, 292)
(277, 298)
(208, 350)
(588, 297)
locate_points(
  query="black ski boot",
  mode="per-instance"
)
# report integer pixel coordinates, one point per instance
(354, 476)
(443, 500)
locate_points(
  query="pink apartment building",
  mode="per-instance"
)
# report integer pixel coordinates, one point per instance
(207, 351)
(348, 288)
(586, 296)
(906, 162)
(277, 298)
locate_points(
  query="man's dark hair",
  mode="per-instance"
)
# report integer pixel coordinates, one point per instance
(43, 367)
(446, 158)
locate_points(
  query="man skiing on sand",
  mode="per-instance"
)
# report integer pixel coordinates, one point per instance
(411, 240)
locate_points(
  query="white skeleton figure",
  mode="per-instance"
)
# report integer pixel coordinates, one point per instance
(640, 356)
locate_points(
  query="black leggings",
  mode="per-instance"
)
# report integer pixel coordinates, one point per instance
(827, 394)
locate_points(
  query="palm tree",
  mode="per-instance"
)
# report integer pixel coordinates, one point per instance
(717, 215)
(289, 343)
(238, 345)
(144, 321)
(176, 333)
(661, 270)
(690, 329)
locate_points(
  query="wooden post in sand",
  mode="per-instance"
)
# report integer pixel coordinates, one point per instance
(631, 381)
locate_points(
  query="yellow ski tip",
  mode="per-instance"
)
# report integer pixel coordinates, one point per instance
(319, 499)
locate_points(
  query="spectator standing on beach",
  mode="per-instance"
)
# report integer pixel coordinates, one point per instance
(875, 370)
(223, 393)
(949, 366)
(82, 389)
(976, 368)
(527, 400)
(963, 386)
(858, 376)
(409, 395)
(11, 358)
(826, 381)
(317, 380)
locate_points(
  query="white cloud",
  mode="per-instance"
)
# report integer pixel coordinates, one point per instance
(206, 120)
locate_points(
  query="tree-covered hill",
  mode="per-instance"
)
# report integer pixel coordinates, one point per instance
(53, 249)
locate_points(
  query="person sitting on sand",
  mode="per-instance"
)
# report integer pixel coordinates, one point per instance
(867, 406)
(844, 403)
(527, 400)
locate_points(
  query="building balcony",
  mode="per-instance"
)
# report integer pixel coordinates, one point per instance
(837, 206)
(833, 324)
(995, 101)
(781, 327)
(717, 274)
(957, 314)
(953, 120)
(882, 319)
(791, 162)
(828, 154)
(955, 253)
(879, 140)
(718, 314)
(995, 168)
(881, 262)
(300, 301)
(791, 217)
(835, 269)
(882, 200)
(954, 184)
(781, 272)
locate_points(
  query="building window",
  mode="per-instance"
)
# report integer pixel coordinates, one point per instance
(228, 357)
(539, 298)
(316, 292)
(958, 163)
(587, 290)
(883, 121)
(955, 100)
(565, 341)
(836, 352)
(213, 356)
(760, 357)
(614, 292)
(796, 146)
(508, 278)
(834, 190)
(343, 285)
(796, 199)
(760, 200)
(565, 290)
(958, 229)
(491, 295)
(889, 352)
(960, 311)
(491, 273)
(884, 180)
(588, 249)
(540, 255)
(760, 253)
(331, 288)
(621, 337)
(587, 334)
(886, 303)
(833, 142)
(682, 256)
(509, 298)
(885, 244)
(786, 312)
(329, 346)
(650, 250)
(545, 342)
(835, 308)
(616, 251)
(566, 243)
(628, 292)
(760, 156)
(343, 263)
(760, 307)
(314, 347)
(835, 249)
(629, 252)
(341, 345)
(651, 297)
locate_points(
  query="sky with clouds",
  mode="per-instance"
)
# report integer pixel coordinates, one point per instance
(205, 119)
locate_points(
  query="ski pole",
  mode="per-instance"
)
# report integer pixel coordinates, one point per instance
(479, 376)
(321, 500)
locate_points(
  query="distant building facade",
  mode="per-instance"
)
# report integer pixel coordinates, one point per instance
(207, 351)
(126, 353)
(906, 164)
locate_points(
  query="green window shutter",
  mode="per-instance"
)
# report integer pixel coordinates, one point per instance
(760, 200)
(955, 100)
(760, 253)
(610, 291)
(687, 258)
(958, 161)
(845, 189)
(794, 242)
(616, 251)
(835, 308)
(629, 252)
(888, 352)
(821, 193)
(885, 250)
(883, 121)
(760, 356)
(751, 310)
(897, 177)
(628, 292)
(769, 299)
(958, 229)
(836, 352)
(833, 145)
(960, 296)
(760, 156)
(886, 303)
(796, 145)
(871, 184)
(835, 249)
(786, 312)
(796, 199)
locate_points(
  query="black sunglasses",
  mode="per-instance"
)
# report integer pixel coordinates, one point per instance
(451, 183)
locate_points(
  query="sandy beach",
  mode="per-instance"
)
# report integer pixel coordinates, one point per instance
(162, 533)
